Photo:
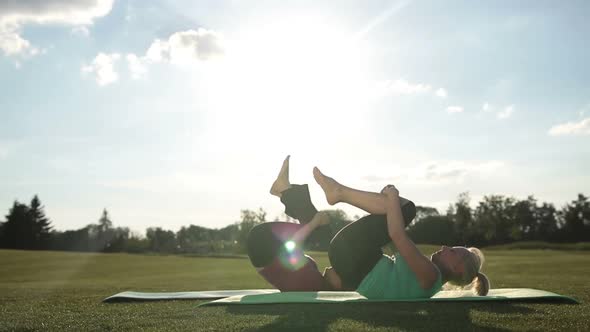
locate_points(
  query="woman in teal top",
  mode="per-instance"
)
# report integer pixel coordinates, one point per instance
(356, 256)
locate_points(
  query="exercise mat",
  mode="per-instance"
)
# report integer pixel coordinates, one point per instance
(200, 295)
(500, 294)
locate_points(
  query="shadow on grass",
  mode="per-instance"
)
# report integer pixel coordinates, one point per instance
(403, 316)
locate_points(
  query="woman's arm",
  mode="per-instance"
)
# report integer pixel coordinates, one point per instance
(420, 264)
(333, 279)
(320, 218)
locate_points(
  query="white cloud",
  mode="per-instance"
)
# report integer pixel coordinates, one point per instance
(7, 147)
(506, 113)
(3, 152)
(437, 172)
(454, 109)
(571, 128)
(103, 67)
(184, 47)
(137, 67)
(80, 30)
(441, 93)
(177, 181)
(181, 48)
(11, 43)
(486, 107)
(14, 14)
(403, 87)
(584, 110)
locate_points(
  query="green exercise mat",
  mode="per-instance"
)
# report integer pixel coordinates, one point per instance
(270, 296)
(501, 294)
(202, 295)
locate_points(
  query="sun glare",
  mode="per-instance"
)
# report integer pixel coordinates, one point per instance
(294, 73)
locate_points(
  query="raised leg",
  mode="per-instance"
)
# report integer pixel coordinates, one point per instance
(356, 249)
(282, 182)
(298, 203)
(295, 197)
(267, 240)
(373, 203)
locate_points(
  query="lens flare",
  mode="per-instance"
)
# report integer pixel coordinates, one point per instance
(290, 246)
(290, 253)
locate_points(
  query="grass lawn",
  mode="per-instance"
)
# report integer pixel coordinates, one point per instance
(63, 291)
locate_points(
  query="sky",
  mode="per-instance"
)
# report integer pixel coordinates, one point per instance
(171, 113)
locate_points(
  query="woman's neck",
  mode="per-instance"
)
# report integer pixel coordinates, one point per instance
(444, 273)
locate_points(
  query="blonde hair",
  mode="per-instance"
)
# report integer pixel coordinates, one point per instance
(472, 278)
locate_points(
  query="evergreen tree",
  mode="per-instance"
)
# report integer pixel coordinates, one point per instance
(104, 232)
(18, 229)
(40, 223)
(104, 223)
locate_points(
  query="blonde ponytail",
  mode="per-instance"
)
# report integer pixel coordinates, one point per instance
(472, 279)
(481, 284)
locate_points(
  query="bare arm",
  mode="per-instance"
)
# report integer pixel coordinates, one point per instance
(320, 218)
(333, 279)
(420, 264)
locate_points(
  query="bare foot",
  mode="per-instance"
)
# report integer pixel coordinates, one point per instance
(282, 182)
(331, 188)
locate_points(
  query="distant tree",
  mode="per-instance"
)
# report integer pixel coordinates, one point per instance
(546, 228)
(434, 229)
(576, 220)
(525, 215)
(423, 212)
(496, 219)
(18, 230)
(73, 240)
(103, 233)
(462, 217)
(338, 219)
(104, 223)
(26, 227)
(320, 238)
(136, 243)
(118, 240)
(160, 240)
(249, 219)
(194, 239)
(228, 233)
(41, 224)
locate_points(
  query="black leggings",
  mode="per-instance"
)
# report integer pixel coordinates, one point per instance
(266, 241)
(354, 250)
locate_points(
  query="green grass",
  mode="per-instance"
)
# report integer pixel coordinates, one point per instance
(63, 291)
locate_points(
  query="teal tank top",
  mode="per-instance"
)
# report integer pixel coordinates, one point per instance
(392, 278)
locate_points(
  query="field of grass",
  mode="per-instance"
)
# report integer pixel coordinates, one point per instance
(63, 291)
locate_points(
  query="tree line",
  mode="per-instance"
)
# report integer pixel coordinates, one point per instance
(27, 227)
(496, 219)
(499, 219)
